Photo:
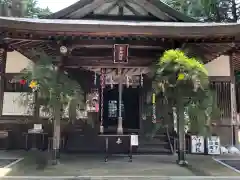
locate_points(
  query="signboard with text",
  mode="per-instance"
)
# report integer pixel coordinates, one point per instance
(197, 145)
(213, 145)
(120, 53)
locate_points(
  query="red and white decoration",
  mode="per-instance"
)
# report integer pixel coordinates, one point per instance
(102, 88)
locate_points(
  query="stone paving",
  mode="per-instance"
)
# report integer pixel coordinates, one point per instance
(143, 167)
(123, 178)
(89, 165)
(210, 167)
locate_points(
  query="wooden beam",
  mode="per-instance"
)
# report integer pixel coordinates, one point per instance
(130, 8)
(129, 17)
(219, 78)
(107, 61)
(88, 8)
(90, 52)
(94, 46)
(109, 9)
(108, 58)
(100, 43)
(72, 44)
(120, 7)
(124, 33)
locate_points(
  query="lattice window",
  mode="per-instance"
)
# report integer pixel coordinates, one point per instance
(223, 97)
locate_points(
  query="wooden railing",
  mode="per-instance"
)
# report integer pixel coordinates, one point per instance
(170, 141)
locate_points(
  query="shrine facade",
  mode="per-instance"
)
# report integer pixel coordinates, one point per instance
(109, 47)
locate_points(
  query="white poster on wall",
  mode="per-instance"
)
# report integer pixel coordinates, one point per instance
(14, 104)
(37, 126)
(213, 145)
(197, 144)
(134, 140)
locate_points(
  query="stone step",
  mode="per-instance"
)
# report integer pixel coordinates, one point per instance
(153, 143)
(153, 150)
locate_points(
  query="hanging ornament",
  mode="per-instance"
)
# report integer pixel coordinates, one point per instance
(127, 81)
(154, 119)
(22, 81)
(102, 88)
(103, 78)
(111, 82)
(181, 76)
(33, 85)
(141, 80)
(95, 78)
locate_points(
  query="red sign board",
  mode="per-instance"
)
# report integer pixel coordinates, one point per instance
(121, 53)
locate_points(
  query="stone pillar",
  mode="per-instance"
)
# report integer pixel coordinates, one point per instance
(234, 122)
(3, 59)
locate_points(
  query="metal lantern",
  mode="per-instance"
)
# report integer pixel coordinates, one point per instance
(63, 50)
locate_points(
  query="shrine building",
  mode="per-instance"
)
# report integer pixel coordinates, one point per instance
(120, 41)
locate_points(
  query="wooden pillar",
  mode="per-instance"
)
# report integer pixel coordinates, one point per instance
(233, 101)
(141, 113)
(36, 107)
(3, 60)
(120, 89)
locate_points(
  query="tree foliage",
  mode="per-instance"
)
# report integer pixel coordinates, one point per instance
(208, 10)
(33, 10)
(54, 87)
(27, 8)
(170, 65)
(192, 90)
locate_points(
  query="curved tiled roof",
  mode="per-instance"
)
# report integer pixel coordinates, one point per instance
(157, 29)
(154, 8)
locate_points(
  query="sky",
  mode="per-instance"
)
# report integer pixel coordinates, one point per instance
(55, 5)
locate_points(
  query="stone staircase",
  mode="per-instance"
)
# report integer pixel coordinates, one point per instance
(159, 144)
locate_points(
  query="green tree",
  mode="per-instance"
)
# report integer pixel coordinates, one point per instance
(208, 10)
(54, 90)
(32, 9)
(24, 8)
(202, 114)
(184, 80)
